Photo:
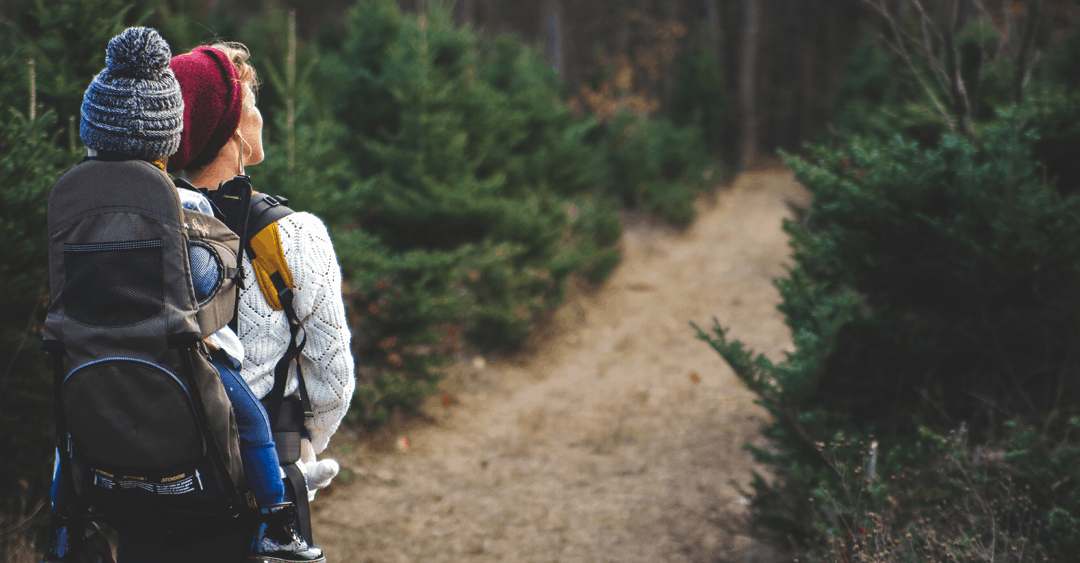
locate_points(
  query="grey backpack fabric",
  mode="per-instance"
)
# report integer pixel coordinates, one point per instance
(144, 424)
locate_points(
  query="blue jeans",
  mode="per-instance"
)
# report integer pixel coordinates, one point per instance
(257, 451)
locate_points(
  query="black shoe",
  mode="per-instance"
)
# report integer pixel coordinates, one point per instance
(276, 539)
(65, 539)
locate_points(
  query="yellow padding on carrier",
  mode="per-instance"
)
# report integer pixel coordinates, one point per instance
(270, 258)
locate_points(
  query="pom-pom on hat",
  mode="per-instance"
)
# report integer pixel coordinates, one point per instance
(134, 106)
(213, 98)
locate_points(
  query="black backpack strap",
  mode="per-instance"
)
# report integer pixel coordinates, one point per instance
(273, 400)
(230, 202)
(273, 404)
(293, 353)
(185, 185)
(186, 345)
(303, 509)
(233, 198)
(63, 451)
(263, 210)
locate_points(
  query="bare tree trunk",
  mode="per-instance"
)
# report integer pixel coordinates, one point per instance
(952, 67)
(712, 15)
(489, 15)
(748, 76)
(33, 90)
(667, 80)
(551, 21)
(836, 58)
(1007, 12)
(923, 43)
(622, 32)
(808, 89)
(290, 98)
(1020, 76)
(466, 12)
(566, 40)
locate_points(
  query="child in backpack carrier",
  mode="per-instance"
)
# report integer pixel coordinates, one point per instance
(133, 110)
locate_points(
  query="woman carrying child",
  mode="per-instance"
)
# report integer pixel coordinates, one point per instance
(131, 112)
(222, 135)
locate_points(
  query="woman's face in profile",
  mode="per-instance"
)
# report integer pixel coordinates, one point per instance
(251, 125)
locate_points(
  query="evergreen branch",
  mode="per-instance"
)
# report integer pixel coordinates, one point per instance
(737, 359)
(998, 347)
(22, 341)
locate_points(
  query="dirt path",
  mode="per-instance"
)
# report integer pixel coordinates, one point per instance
(597, 445)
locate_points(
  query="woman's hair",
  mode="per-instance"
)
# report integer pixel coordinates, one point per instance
(239, 55)
(205, 71)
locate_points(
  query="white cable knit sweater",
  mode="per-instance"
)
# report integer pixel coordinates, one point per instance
(327, 359)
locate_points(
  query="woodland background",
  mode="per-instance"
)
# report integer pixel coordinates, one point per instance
(471, 158)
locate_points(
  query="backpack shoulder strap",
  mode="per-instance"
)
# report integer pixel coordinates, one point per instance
(265, 210)
(263, 246)
(267, 256)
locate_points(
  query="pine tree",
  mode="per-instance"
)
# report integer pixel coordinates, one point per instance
(700, 97)
(67, 43)
(930, 287)
(473, 196)
(30, 162)
(50, 53)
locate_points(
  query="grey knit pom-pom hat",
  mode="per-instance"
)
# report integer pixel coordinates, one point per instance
(134, 106)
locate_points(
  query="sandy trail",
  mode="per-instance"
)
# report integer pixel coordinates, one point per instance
(596, 444)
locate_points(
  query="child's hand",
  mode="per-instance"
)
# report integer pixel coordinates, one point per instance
(318, 474)
(321, 472)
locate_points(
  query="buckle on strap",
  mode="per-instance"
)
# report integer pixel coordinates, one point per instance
(54, 347)
(275, 200)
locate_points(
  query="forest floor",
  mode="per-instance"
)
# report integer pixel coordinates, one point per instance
(615, 436)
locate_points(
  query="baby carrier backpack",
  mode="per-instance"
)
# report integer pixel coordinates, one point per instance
(144, 427)
(253, 217)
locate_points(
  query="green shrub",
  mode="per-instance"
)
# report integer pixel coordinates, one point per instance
(538, 142)
(1054, 113)
(875, 100)
(30, 162)
(929, 287)
(470, 196)
(656, 166)
(881, 97)
(67, 42)
(700, 98)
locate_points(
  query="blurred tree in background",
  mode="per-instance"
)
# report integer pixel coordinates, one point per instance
(28, 153)
(468, 157)
(461, 188)
(932, 299)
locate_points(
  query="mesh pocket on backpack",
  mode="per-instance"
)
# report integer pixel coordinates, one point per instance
(207, 272)
(114, 284)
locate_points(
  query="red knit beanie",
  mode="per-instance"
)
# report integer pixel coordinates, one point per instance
(213, 97)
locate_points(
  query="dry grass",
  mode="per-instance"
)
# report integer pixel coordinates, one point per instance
(597, 444)
(991, 520)
(616, 436)
(21, 520)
